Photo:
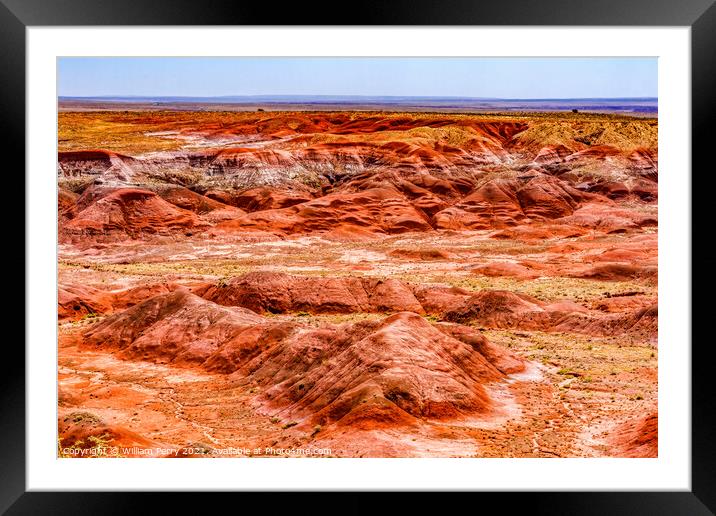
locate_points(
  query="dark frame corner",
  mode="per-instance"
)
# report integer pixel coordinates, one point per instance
(700, 15)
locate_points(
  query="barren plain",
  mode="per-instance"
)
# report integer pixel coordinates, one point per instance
(357, 284)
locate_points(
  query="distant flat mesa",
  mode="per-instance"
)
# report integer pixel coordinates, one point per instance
(644, 106)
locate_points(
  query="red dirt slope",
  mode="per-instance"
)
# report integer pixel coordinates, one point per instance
(637, 438)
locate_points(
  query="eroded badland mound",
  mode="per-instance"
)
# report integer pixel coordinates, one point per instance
(399, 366)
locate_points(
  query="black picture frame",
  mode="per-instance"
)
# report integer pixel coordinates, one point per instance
(700, 15)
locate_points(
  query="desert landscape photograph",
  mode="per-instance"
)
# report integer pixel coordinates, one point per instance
(357, 257)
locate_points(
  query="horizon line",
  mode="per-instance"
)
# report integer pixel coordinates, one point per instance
(329, 96)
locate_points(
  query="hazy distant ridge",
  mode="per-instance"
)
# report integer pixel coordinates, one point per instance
(304, 102)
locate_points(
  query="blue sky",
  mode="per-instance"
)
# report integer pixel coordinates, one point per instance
(518, 78)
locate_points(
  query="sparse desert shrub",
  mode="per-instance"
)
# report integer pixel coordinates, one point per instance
(84, 417)
(76, 184)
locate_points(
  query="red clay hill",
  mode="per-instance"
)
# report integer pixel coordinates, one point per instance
(392, 369)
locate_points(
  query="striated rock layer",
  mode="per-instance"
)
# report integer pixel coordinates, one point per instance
(363, 175)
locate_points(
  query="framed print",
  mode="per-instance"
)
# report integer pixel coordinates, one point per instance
(417, 250)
